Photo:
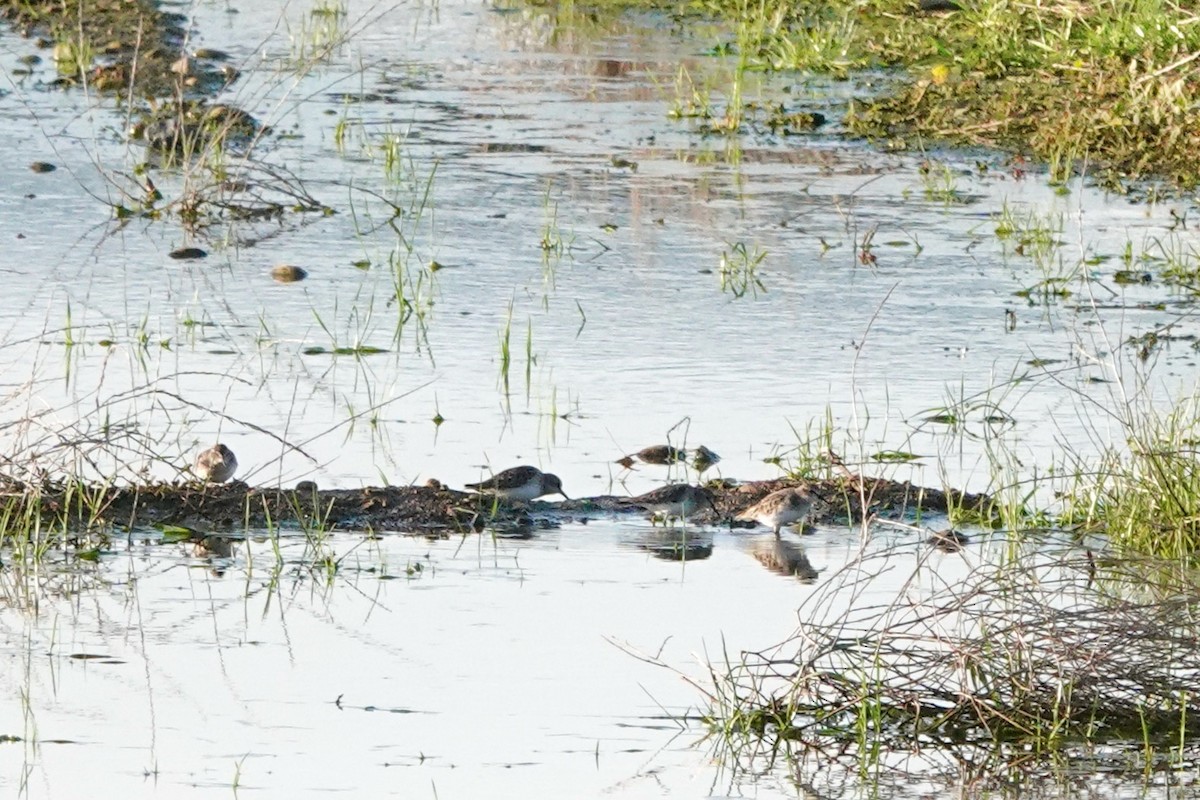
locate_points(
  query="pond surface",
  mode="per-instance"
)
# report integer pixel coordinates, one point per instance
(502, 130)
(436, 668)
(536, 161)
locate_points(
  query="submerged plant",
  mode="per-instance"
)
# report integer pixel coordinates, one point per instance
(1013, 659)
(739, 270)
(321, 31)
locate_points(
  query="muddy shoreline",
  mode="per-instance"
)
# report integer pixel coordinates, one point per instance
(428, 510)
(124, 48)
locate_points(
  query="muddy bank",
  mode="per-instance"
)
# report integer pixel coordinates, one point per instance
(119, 47)
(435, 510)
(137, 52)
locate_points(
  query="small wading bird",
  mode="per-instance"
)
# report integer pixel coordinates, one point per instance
(782, 507)
(521, 484)
(704, 458)
(663, 454)
(674, 500)
(216, 464)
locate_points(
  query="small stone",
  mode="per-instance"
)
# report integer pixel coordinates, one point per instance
(187, 253)
(211, 54)
(286, 273)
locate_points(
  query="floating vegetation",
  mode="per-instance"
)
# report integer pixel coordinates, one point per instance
(940, 183)
(1129, 277)
(895, 456)
(1029, 233)
(356, 350)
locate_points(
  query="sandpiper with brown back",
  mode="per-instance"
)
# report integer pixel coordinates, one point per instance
(520, 484)
(674, 500)
(215, 465)
(781, 507)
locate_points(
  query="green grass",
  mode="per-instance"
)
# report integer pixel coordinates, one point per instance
(1144, 494)
(1113, 84)
(320, 32)
(506, 350)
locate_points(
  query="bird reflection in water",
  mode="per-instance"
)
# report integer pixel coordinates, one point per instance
(784, 557)
(949, 540)
(218, 551)
(677, 544)
(516, 529)
(213, 546)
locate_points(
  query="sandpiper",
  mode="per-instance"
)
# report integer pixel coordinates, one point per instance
(661, 454)
(782, 507)
(674, 500)
(216, 464)
(704, 459)
(521, 484)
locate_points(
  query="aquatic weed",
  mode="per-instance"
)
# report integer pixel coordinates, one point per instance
(738, 271)
(996, 665)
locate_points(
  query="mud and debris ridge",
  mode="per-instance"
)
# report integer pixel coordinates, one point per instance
(119, 47)
(418, 509)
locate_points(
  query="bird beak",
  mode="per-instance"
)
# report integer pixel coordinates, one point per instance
(564, 494)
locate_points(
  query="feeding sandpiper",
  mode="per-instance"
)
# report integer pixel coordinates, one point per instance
(216, 464)
(674, 500)
(781, 507)
(661, 455)
(521, 484)
(704, 459)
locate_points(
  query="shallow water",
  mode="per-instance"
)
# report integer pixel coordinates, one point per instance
(511, 127)
(492, 668)
(427, 667)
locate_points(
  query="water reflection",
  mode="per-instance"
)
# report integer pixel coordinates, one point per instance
(213, 546)
(523, 529)
(948, 540)
(498, 123)
(676, 543)
(784, 557)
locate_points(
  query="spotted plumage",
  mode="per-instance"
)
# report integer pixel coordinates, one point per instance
(782, 507)
(216, 464)
(520, 484)
(674, 500)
